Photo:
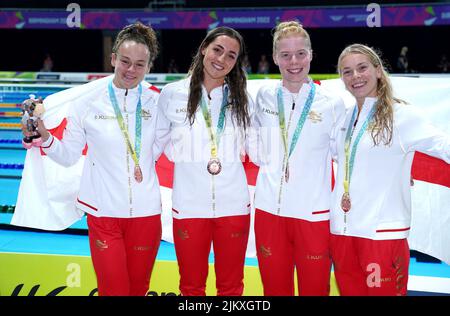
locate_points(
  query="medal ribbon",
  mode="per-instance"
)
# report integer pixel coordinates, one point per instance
(300, 122)
(350, 158)
(215, 137)
(135, 153)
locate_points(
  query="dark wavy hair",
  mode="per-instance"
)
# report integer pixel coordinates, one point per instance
(236, 79)
(138, 33)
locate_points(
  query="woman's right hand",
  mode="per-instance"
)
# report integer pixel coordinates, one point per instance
(42, 130)
(36, 122)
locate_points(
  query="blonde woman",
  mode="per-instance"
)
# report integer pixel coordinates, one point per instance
(371, 208)
(293, 189)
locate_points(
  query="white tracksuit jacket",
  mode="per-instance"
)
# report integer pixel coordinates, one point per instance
(190, 149)
(307, 193)
(108, 187)
(380, 185)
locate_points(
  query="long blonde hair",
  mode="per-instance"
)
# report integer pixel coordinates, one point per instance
(383, 120)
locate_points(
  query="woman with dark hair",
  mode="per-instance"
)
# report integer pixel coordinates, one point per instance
(209, 112)
(371, 203)
(117, 118)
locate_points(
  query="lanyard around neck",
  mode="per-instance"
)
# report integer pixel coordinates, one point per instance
(135, 153)
(350, 157)
(300, 123)
(215, 136)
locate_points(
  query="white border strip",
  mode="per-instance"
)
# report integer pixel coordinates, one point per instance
(428, 284)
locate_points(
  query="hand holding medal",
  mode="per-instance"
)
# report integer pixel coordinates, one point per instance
(32, 110)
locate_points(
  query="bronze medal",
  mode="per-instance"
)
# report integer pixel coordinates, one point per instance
(138, 174)
(346, 204)
(214, 166)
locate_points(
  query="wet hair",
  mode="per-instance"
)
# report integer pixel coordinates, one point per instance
(383, 120)
(289, 28)
(138, 33)
(236, 79)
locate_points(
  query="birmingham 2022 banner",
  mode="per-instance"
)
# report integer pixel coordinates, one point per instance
(357, 16)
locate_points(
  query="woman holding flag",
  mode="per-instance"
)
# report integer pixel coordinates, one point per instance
(209, 113)
(371, 203)
(293, 189)
(117, 118)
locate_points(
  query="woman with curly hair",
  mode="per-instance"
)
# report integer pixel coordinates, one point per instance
(117, 118)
